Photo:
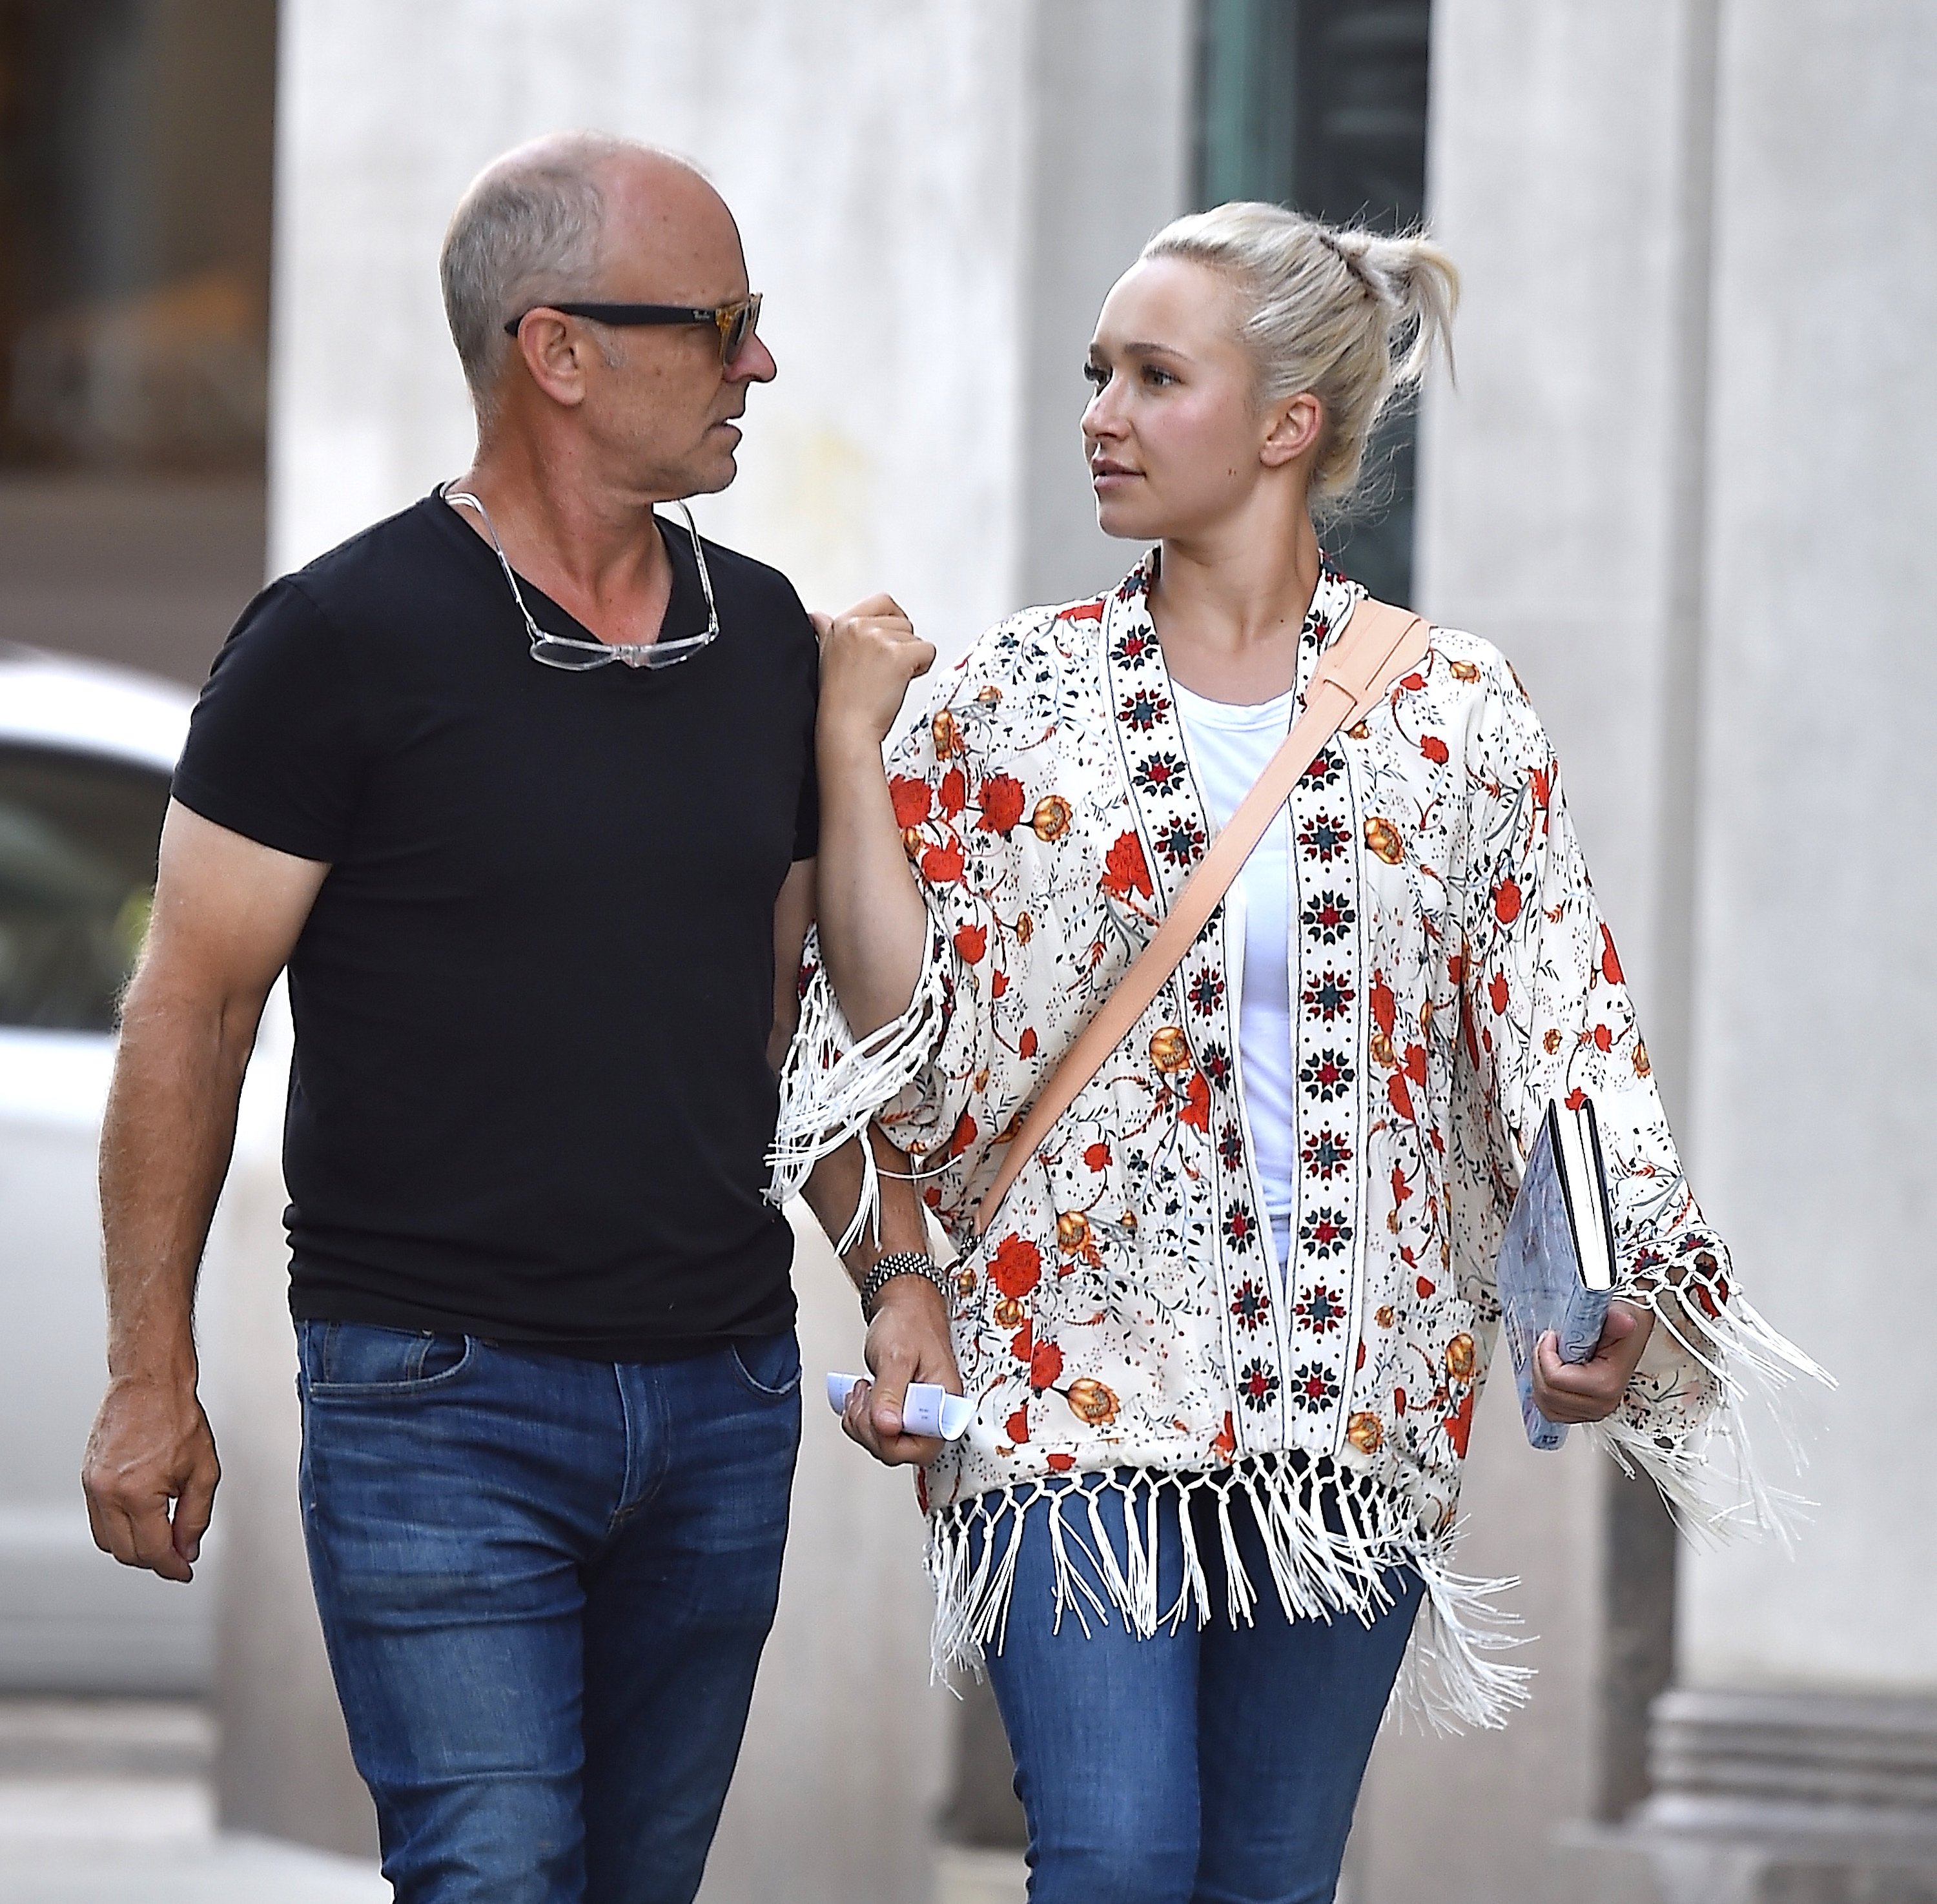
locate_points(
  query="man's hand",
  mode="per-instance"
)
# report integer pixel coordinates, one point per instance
(908, 1341)
(151, 1447)
(1591, 1391)
(868, 657)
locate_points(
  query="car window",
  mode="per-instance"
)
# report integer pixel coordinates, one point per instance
(78, 842)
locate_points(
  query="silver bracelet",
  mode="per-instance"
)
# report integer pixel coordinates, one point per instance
(901, 1262)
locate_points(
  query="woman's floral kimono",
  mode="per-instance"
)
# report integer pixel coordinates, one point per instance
(1123, 1323)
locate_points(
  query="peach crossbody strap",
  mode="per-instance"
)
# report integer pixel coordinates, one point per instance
(1380, 643)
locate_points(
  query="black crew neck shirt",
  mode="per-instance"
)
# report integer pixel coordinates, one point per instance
(531, 1099)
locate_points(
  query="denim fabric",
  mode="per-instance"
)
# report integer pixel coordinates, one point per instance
(1218, 1767)
(544, 1584)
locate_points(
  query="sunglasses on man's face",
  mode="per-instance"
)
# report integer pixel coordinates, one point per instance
(736, 322)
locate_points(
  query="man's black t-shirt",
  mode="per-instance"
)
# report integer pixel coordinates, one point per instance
(532, 1098)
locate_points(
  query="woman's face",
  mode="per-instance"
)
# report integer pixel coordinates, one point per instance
(1175, 439)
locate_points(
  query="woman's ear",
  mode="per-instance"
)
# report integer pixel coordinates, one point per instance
(1296, 424)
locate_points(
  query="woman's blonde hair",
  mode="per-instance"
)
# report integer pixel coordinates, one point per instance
(1350, 315)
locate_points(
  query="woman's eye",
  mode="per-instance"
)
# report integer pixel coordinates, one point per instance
(1155, 377)
(1095, 375)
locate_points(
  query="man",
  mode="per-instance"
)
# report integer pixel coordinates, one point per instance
(541, 918)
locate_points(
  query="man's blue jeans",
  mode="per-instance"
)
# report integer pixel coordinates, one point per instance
(545, 1584)
(1218, 1767)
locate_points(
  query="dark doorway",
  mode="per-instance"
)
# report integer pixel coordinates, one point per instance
(136, 161)
(1320, 104)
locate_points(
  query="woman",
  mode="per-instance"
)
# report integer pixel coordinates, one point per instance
(1226, 1331)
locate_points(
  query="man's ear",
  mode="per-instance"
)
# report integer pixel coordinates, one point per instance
(1295, 425)
(553, 356)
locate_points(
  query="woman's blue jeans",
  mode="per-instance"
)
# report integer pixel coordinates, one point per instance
(1211, 1766)
(544, 1584)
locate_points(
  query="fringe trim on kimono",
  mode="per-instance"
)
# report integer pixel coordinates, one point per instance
(1708, 1477)
(834, 1082)
(1321, 1566)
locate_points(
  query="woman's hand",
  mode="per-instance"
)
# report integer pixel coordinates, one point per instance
(1591, 1391)
(908, 1341)
(873, 924)
(868, 657)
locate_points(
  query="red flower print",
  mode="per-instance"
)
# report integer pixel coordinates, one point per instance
(1455, 968)
(941, 865)
(971, 942)
(999, 984)
(1002, 803)
(1083, 611)
(1025, 1045)
(1506, 901)
(1400, 1098)
(1196, 1110)
(1016, 1426)
(1459, 1424)
(1016, 1267)
(1497, 992)
(1224, 1443)
(1604, 1039)
(1415, 1063)
(1610, 963)
(1402, 1191)
(1059, 1464)
(1097, 1156)
(912, 801)
(1576, 1098)
(1398, 1401)
(1124, 870)
(1257, 1386)
(1424, 1287)
(1434, 748)
(1385, 1009)
(1413, 683)
(953, 794)
(1045, 1366)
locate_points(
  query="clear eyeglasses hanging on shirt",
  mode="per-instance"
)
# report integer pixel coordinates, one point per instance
(564, 651)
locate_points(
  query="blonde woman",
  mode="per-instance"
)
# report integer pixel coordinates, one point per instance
(1226, 1331)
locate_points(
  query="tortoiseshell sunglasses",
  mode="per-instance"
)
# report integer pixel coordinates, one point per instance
(736, 322)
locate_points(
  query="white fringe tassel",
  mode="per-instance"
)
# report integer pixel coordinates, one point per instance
(1449, 1679)
(834, 1082)
(1708, 1477)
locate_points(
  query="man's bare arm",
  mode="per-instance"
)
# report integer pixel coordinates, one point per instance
(227, 914)
(907, 1336)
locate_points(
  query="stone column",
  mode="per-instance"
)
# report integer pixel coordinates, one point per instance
(1797, 1759)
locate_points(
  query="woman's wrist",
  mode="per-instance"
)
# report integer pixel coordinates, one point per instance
(848, 743)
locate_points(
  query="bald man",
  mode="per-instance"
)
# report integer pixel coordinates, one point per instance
(519, 785)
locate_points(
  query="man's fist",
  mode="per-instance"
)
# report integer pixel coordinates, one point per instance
(151, 1447)
(868, 657)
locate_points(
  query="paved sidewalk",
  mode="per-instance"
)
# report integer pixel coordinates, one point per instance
(105, 1801)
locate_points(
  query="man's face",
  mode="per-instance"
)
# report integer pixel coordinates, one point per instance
(659, 405)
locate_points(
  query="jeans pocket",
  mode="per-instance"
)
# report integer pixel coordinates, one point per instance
(768, 1364)
(363, 1360)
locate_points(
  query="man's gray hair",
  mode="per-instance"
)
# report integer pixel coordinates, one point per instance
(529, 230)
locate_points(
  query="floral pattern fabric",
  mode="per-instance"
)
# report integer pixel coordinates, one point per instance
(1125, 1320)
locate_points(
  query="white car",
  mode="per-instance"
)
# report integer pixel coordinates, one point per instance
(86, 753)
